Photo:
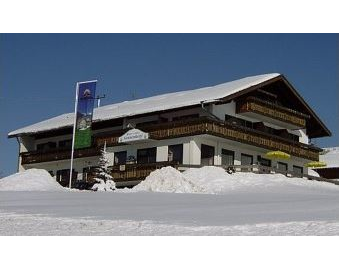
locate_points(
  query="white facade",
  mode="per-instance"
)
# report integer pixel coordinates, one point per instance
(180, 106)
(191, 144)
(191, 154)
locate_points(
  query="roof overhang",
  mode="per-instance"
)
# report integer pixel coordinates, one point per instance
(319, 129)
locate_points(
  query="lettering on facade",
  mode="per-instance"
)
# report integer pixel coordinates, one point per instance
(133, 135)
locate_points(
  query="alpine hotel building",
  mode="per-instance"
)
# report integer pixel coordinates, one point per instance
(235, 123)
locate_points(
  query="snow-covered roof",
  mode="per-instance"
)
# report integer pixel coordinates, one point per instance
(331, 157)
(152, 104)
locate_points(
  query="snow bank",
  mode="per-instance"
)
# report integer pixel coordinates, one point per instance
(167, 179)
(313, 173)
(30, 180)
(214, 180)
(331, 157)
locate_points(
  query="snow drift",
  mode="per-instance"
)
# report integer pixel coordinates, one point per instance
(168, 179)
(215, 180)
(30, 180)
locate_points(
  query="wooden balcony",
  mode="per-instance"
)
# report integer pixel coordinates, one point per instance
(132, 172)
(224, 130)
(191, 127)
(271, 110)
(55, 155)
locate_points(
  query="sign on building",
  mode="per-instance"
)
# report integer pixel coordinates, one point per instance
(133, 135)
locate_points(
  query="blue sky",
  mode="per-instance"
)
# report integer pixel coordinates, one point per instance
(38, 72)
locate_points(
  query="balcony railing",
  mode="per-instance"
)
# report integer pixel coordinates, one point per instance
(55, 155)
(187, 128)
(224, 130)
(269, 109)
(137, 171)
(133, 173)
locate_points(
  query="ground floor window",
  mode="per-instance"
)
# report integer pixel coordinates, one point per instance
(264, 164)
(88, 173)
(264, 161)
(147, 155)
(298, 170)
(207, 155)
(175, 153)
(246, 159)
(227, 157)
(282, 166)
(62, 176)
(120, 158)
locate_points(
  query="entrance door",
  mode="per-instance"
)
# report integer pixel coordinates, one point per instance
(175, 153)
(227, 157)
(207, 155)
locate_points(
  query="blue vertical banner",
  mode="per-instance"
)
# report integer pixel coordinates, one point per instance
(84, 114)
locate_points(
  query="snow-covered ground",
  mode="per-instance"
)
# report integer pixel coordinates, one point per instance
(214, 180)
(30, 180)
(211, 202)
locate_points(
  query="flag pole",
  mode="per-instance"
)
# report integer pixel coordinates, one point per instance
(73, 137)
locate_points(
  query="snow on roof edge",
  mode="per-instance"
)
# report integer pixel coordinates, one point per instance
(146, 105)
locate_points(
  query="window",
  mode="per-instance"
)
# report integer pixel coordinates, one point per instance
(207, 155)
(227, 157)
(298, 170)
(65, 144)
(62, 176)
(263, 161)
(264, 164)
(146, 124)
(88, 174)
(282, 166)
(246, 159)
(46, 146)
(147, 155)
(234, 120)
(175, 153)
(120, 158)
(185, 117)
(260, 126)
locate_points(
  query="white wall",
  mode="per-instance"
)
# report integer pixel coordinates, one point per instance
(240, 148)
(229, 108)
(162, 153)
(194, 152)
(26, 144)
(303, 137)
(191, 153)
(222, 109)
